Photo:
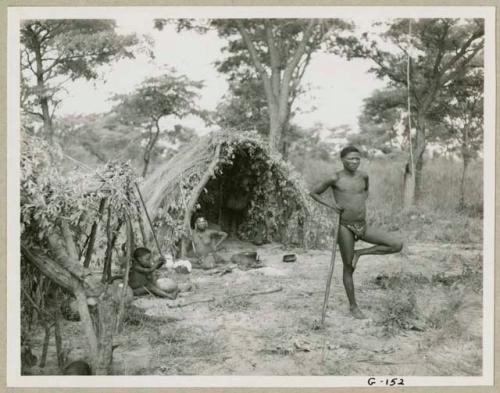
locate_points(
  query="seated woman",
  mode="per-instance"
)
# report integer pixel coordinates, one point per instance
(141, 278)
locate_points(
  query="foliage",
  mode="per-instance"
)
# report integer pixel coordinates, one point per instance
(381, 121)
(47, 196)
(244, 107)
(275, 52)
(441, 51)
(399, 306)
(153, 100)
(56, 51)
(464, 115)
(277, 189)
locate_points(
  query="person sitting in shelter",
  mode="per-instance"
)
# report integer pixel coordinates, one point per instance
(141, 276)
(236, 203)
(206, 243)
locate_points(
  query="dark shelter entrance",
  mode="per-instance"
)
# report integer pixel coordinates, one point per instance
(229, 195)
(230, 179)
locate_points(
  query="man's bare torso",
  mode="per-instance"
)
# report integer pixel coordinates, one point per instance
(351, 192)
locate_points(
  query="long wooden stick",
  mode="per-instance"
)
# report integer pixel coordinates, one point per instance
(212, 299)
(149, 218)
(330, 274)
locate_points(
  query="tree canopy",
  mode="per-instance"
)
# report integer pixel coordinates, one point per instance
(56, 51)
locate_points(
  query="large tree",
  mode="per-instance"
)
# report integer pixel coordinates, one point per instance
(56, 51)
(463, 120)
(244, 106)
(276, 52)
(155, 99)
(440, 51)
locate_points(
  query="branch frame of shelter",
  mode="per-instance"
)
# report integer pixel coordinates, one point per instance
(276, 192)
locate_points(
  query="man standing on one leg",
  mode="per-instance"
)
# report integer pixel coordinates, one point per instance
(350, 191)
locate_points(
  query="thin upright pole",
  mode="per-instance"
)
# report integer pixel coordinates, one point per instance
(330, 273)
(147, 215)
(408, 62)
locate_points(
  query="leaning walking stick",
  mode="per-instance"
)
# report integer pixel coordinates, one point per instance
(330, 273)
(147, 215)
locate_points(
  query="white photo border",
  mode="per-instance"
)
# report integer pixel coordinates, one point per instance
(16, 14)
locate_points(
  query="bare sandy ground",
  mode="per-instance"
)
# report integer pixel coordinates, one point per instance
(274, 334)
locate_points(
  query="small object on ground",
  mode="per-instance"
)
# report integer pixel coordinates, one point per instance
(169, 261)
(289, 257)
(302, 345)
(166, 284)
(317, 325)
(185, 286)
(225, 270)
(182, 266)
(78, 367)
(247, 260)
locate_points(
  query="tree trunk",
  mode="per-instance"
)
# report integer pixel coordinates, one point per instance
(93, 232)
(275, 131)
(42, 94)
(58, 336)
(412, 183)
(408, 186)
(465, 161)
(106, 314)
(86, 324)
(129, 245)
(153, 138)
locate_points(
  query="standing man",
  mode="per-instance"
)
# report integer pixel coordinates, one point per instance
(350, 191)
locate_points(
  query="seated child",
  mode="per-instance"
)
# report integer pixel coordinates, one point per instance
(141, 277)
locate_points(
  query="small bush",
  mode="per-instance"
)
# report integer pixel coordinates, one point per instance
(400, 311)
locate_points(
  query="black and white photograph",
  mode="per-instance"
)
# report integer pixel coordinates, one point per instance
(250, 196)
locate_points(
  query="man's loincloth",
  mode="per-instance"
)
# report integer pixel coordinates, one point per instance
(358, 228)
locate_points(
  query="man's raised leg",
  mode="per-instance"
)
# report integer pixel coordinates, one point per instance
(383, 242)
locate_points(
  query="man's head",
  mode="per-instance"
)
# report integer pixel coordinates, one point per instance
(201, 223)
(351, 157)
(142, 255)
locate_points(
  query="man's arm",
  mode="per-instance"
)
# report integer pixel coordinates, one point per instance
(367, 183)
(221, 235)
(316, 194)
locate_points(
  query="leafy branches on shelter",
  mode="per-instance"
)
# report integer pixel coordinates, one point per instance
(59, 220)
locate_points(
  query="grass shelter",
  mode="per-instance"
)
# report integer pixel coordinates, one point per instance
(206, 174)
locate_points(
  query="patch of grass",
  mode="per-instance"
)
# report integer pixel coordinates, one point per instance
(471, 276)
(185, 342)
(385, 281)
(399, 309)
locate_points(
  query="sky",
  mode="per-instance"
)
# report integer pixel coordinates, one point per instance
(336, 87)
